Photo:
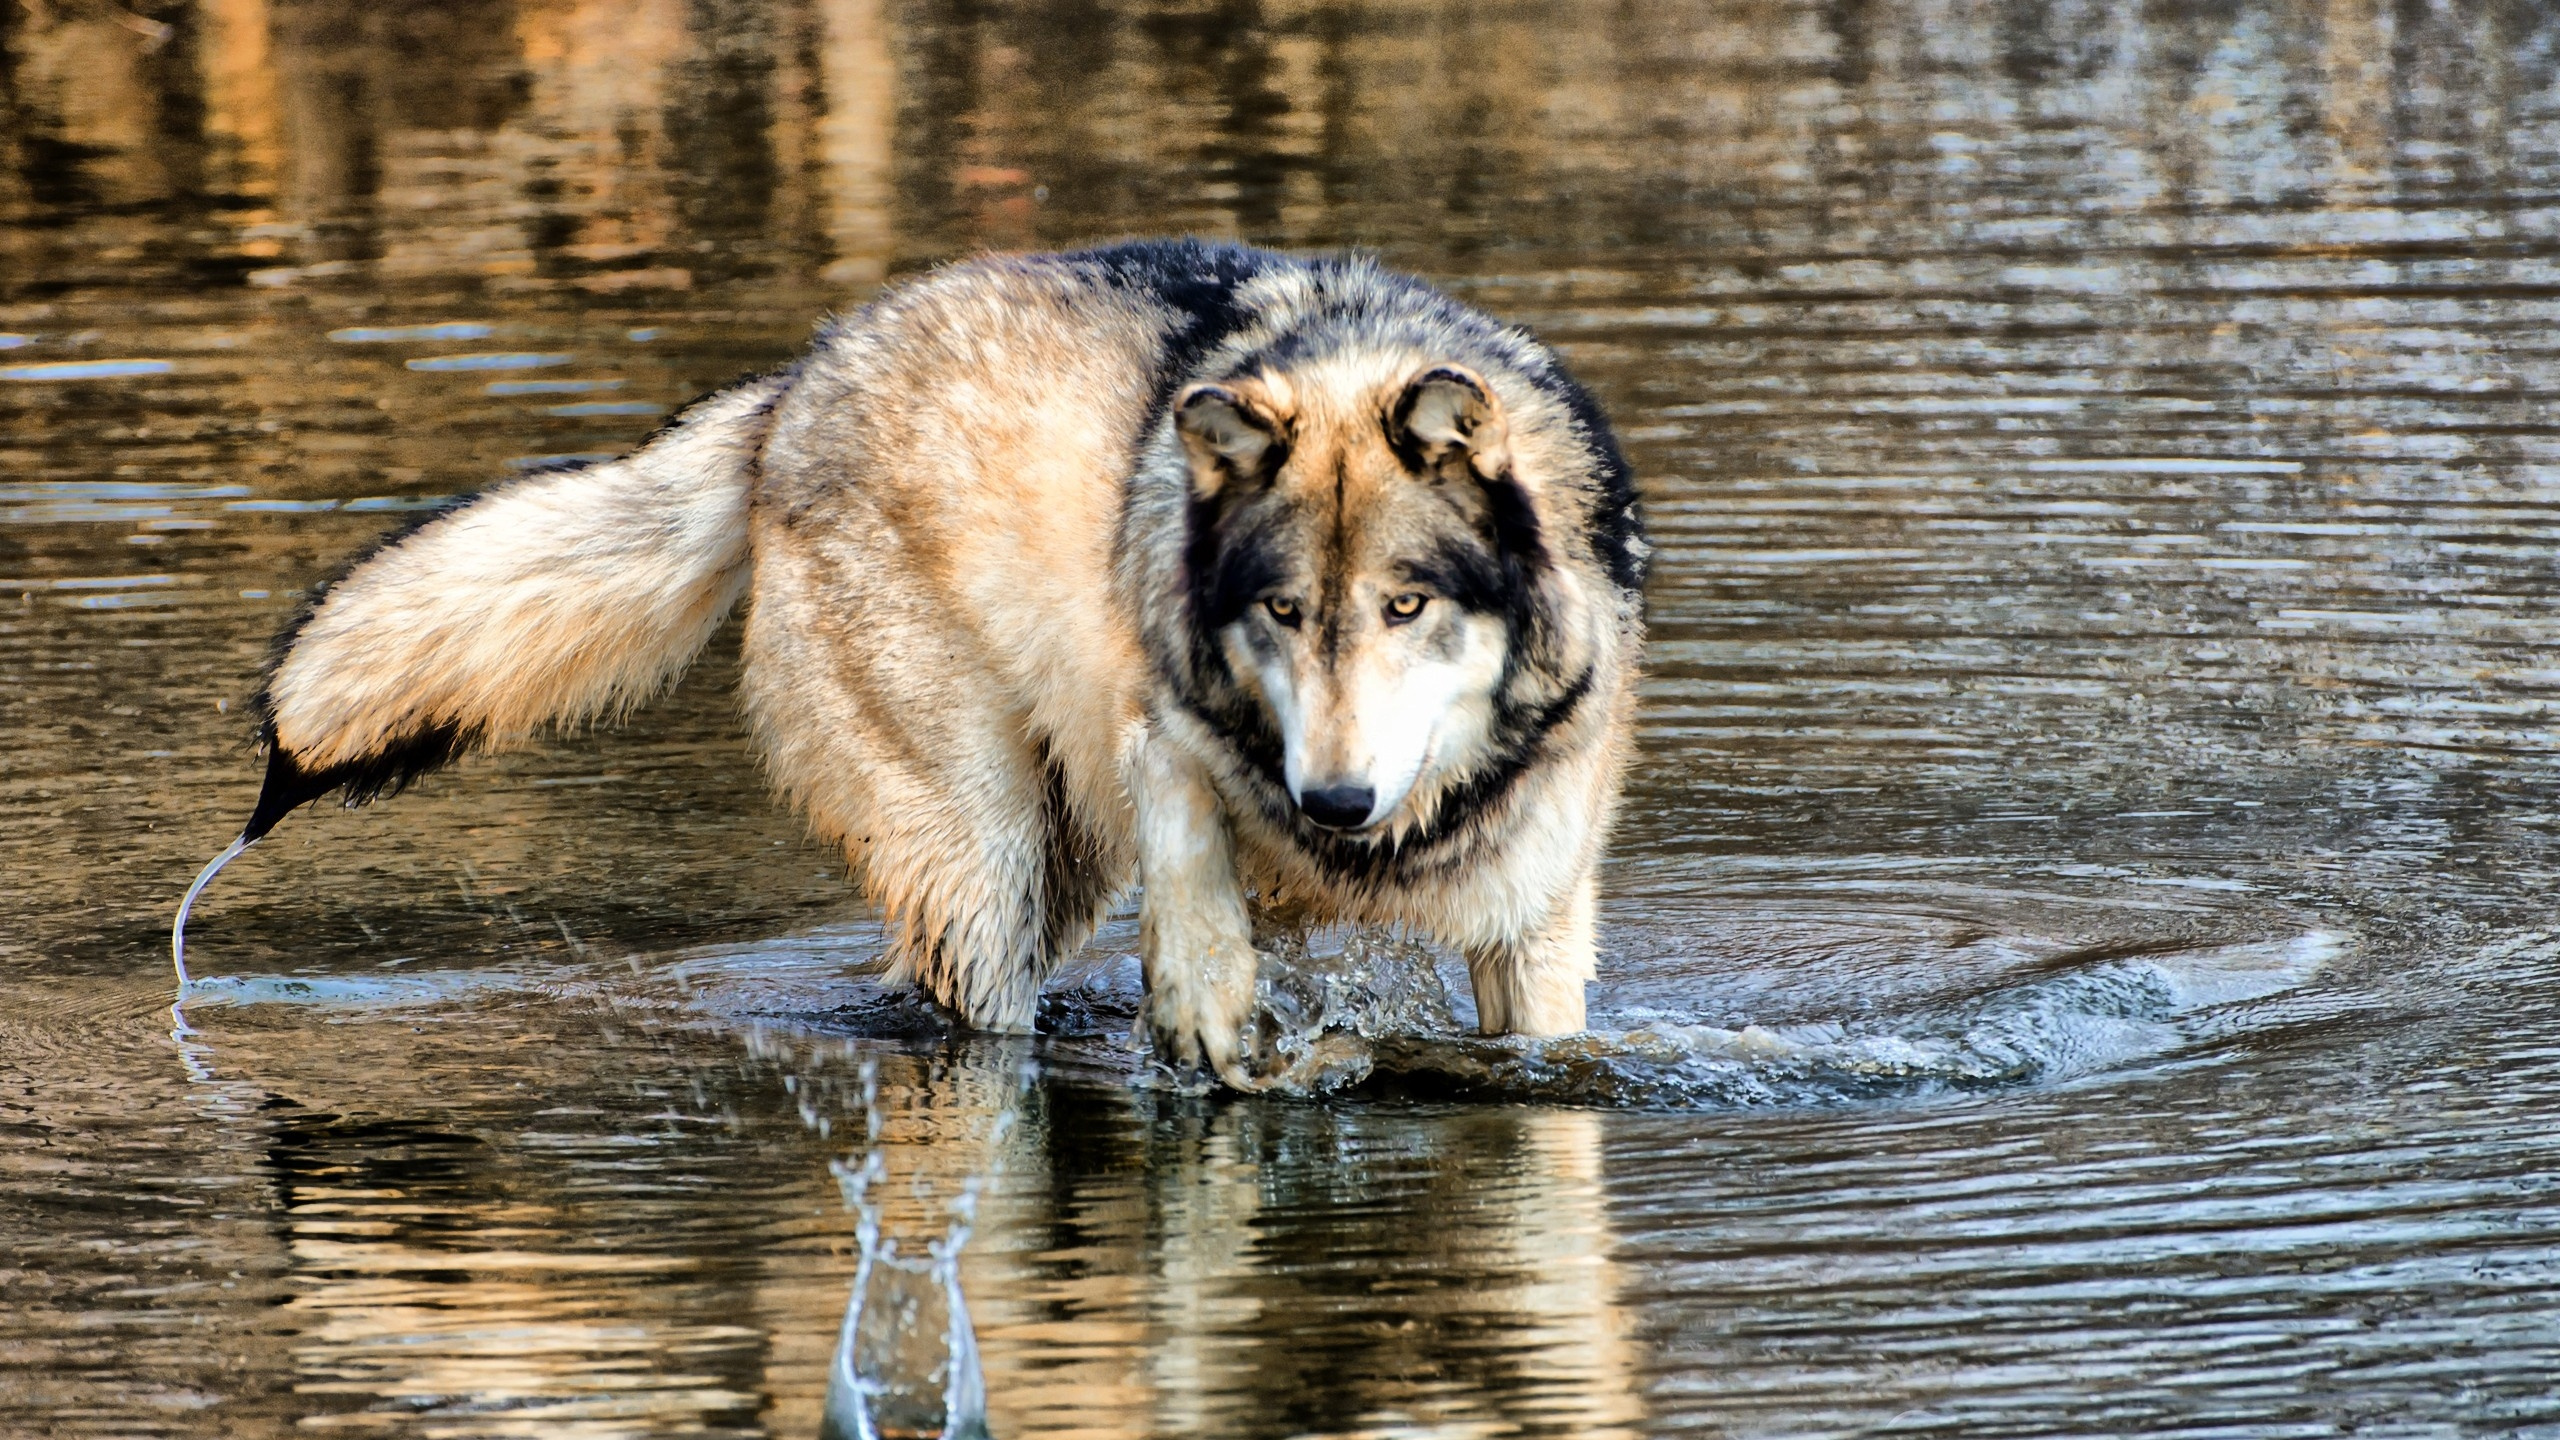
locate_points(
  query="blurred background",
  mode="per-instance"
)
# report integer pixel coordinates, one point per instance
(2099, 729)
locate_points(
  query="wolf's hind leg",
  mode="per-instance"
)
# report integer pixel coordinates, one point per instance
(980, 924)
(986, 882)
(1534, 985)
(882, 721)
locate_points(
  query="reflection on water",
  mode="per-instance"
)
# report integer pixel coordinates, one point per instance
(907, 1360)
(2075, 954)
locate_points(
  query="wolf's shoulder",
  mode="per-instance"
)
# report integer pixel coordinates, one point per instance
(1200, 279)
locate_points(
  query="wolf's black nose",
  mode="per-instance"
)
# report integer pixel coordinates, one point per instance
(1339, 807)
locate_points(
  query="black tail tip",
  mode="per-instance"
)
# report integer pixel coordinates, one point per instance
(287, 788)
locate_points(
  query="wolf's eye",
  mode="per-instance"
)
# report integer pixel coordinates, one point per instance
(1404, 607)
(1283, 609)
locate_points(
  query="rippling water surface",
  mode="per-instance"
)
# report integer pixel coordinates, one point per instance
(2077, 956)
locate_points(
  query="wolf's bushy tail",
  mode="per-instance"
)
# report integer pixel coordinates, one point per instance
(559, 598)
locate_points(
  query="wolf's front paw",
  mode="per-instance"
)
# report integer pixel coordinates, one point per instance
(1199, 997)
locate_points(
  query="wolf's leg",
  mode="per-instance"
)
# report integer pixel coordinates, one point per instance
(966, 881)
(963, 853)
(1197, 940)
(1533, 986)
(881, 719)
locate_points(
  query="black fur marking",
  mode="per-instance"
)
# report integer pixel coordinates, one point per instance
(388, 772)
(1230, 561)
(1400, 440)
(1500, 574)
(1075, 878)
(1232, 564)
(1617, 519)
(1471, 576)
(1517, 536)
(1195, 279)
(1248, 733)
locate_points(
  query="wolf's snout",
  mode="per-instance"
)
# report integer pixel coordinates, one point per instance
(1339, 807)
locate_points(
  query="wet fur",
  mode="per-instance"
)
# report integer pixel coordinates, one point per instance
(996, 602)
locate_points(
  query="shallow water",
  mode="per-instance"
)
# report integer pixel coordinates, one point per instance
(2076, 957)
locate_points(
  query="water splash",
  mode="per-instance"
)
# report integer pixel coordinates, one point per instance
(1375, 1017)
(1317, 1017)
(406, 990)
(178, 926)
(2076, 1022)
(906, 1362)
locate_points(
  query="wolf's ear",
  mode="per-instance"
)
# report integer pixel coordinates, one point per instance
(1230, 435)
(1447, 422)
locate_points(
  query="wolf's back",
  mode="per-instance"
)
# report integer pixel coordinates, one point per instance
(552, 600)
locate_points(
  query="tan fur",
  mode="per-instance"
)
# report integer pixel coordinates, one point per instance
(965, 537)
(933, 629)
(554, 600)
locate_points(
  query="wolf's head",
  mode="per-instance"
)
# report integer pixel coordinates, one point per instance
(1366, 557)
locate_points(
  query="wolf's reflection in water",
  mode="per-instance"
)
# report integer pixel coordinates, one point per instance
(1141, 1263)
(1296, 1268)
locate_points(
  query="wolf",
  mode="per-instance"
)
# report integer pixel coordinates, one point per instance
(1272, 585)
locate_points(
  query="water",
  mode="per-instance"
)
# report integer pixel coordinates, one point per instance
(2076, 958)
(907, 1361)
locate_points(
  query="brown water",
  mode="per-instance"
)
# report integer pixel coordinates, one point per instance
(2077, 957)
